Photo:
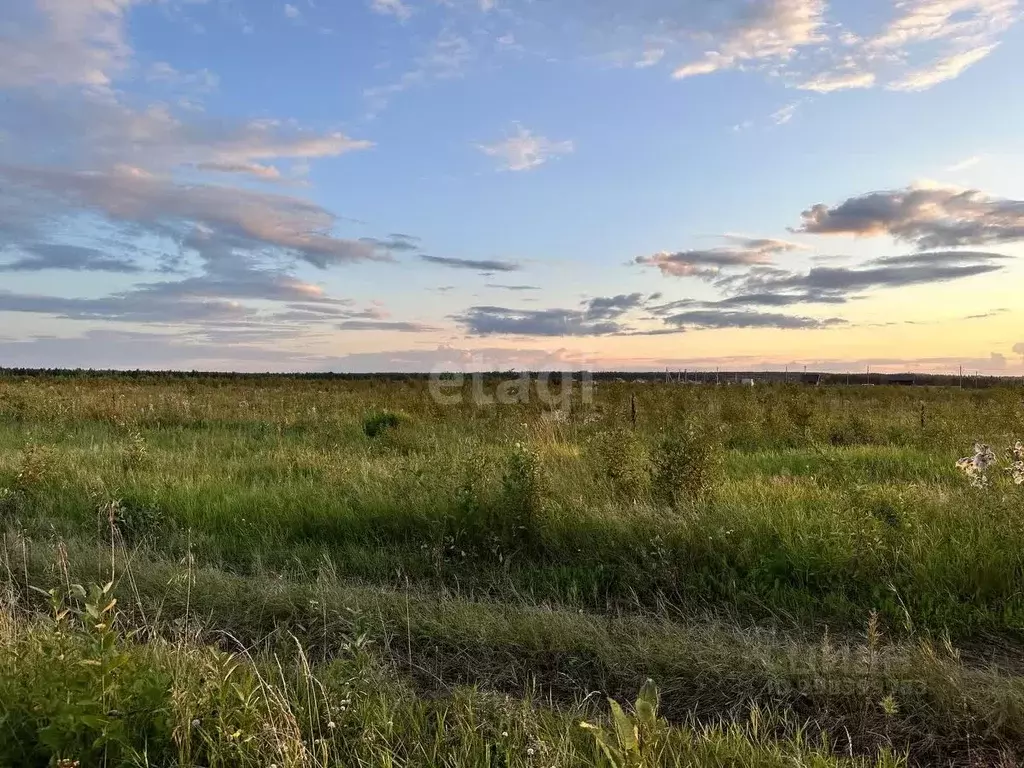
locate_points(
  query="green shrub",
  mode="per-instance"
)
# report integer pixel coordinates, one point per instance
(687, 465)
(378, 423)
(622, 457)
(524, 494)
(133, 520)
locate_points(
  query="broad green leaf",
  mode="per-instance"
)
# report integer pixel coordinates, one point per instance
(625, 729)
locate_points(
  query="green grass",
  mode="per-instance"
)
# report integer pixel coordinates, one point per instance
(734, 545)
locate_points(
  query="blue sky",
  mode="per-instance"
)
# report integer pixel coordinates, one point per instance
(421, 184)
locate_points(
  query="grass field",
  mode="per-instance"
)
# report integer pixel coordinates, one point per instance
(300, 572)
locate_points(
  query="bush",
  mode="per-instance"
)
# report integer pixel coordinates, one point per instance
(623, 458)
(523, 495)
(687, 465)
(379, 422)
(133, 520)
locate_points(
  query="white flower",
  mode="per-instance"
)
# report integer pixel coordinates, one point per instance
(976, 466)
(331, 725)
(529, 751)
(504, 734)
(195, 723)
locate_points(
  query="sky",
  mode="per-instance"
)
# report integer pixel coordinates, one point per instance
(418, 185)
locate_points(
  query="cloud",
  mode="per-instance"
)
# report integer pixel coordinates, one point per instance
(481, 265)
(1019, 349)
(218, 218)
(771, 287)
(250, 169)
(926, 42)
(493, 321)
(708, 263)
(131, 307)
(785, 114)
(940, 71)
(291, 12)
(611, 307)
(963, 165)
(384, 325)
(100, 132)
(650, 57)
(132, 350)
(202, 80)
(395, 243)
(837, 284)
(756, 32)
(599, 316)
(717, 319)
(396, 8)
(516, 288)
(808, 44)
(828, 82)
(934, 217)
(525, 151)
(39, 257)
(445, 58)
(60, 42)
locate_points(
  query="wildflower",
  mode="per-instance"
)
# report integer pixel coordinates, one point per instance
(1016, 468)
(976, 466)
(331, 725)
(529, 751)
(504, 734)
(195, 723)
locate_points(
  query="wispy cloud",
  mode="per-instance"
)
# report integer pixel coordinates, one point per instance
(828, 82)
(400, 10)
(524, 150)
(708, 263)
(940, 71)
(479, 265)
(963, 165)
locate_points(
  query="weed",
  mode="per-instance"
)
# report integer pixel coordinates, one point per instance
(635, 740)
(36, 464)
(687, 465)
(524, 495)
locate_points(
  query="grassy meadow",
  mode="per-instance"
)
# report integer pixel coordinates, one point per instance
(273, 571)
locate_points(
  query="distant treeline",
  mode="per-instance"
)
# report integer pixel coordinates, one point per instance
(973, 381)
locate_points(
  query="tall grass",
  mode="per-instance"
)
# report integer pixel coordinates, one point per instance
(741, 546)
